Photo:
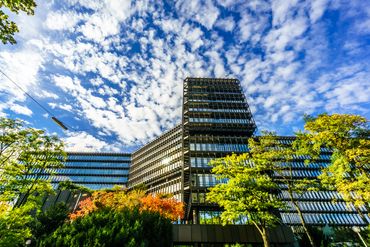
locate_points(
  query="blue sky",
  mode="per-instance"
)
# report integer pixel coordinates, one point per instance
(112, 70)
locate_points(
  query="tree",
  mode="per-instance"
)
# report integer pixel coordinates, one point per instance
(46, 222)
(27, 156)
(120, 199)
(348, 137)
(249, 192)
(7, 27)
(107, 227)
(281, 156)
(166, 206)
(12, 225)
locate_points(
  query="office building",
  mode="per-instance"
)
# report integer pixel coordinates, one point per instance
(158, 165)
(217, 121)
(94, 170)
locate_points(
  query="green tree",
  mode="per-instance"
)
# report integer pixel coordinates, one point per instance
(107, 227)
(27, 156)
(348, 137)
(7, 27)
(46, 222)
(12, 225)
(249, 192)
(281, 156)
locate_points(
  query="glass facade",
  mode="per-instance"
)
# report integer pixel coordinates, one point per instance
(216, 122)
(158, 164)
(92, 170)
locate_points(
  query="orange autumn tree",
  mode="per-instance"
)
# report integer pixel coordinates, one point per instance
(167, 207)
(85, 207)
(118, 199)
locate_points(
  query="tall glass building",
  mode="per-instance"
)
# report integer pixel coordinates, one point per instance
(217, 121)
(94, 170)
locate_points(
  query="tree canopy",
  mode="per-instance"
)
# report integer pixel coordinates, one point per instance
(7, 27)
(27, 156)
(108, 227)
(119, 199)
(250, 191)
(118, 217)
(348, 137)
(280, 155)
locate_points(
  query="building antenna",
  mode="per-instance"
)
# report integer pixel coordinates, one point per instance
(58, 122)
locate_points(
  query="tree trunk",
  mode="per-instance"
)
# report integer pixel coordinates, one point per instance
(265, 237)
(264, 234)
(303, 222)
(310, 238)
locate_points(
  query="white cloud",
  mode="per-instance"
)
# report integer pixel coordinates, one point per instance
(20, 109)
(318, 8)
(21, 66)
(204, 12)
(85, 142)
(281, 10)
(62, 20)
(226, 24)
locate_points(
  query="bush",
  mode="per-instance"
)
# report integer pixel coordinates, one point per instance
(106, 227)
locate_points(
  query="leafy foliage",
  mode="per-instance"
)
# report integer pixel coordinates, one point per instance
(167, 207)
(70, 186)
(9, 28)
(12, 225)
(108, 227)
(119, 199)
(26, 154)
(348, 136)
(280, 156)
(250, 190)
(48, 221)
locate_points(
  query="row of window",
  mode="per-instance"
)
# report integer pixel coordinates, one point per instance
(162, 148)
(97, 164)
(220, 120)
(314, 218)
(93, 157)
(208, 92)
(305, 157)
(214, 217)
(200, 161)
(149, 167)
(219, 110)
(61, 171)
(312, 195)
(216, 101)
(163, 145)
(88, 179)
(303, 165)
(297, 173)
(216, 147)
(205, 180)
(322, 206)
(165, 169)
(170, 187)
